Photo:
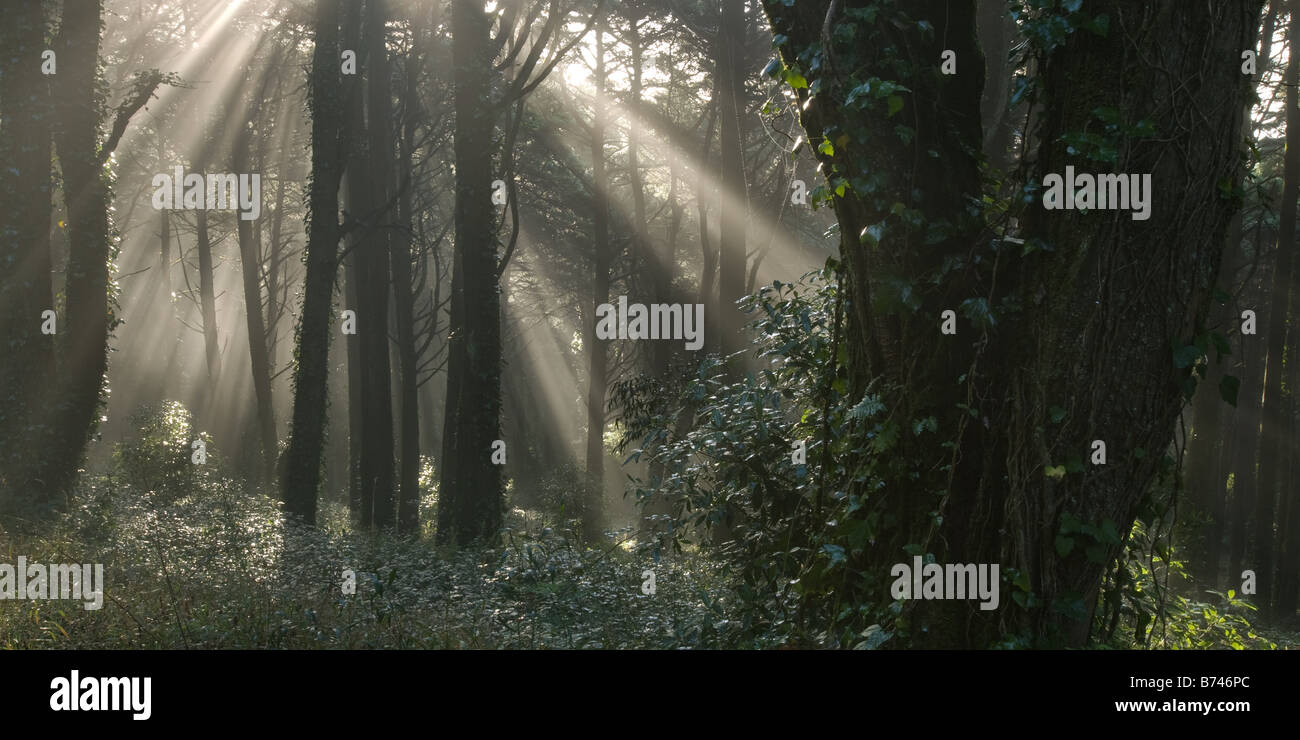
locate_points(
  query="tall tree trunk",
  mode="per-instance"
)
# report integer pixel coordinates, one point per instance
(597, 348)
(709, 254)
(352, 348)
(373, 291)
(302, 467)
(207, 302)
(27, 366)
(354, 201)
(1275, 456)
(408, 507)
(734, 208)
(83, 350)
(470, 502)
(996, 37)
(250, 257)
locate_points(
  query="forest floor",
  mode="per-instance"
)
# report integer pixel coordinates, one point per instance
(221, 569)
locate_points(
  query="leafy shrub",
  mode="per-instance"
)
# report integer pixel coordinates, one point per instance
(157, 455)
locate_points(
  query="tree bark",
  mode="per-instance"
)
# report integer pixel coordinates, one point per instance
(27, 366)
(597, 348)
(302, 468)
(734, 203)
(471, 502)
(83, 347)
(1275, 455)
(408, 507)
(1069, 340)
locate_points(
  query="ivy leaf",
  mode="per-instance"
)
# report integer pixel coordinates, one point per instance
(895, 104)
(1099, 25)
(1064, 545)
(1221, 345)
(1186, 356)
(1055, 471)
(1228, 388)
(977, 310)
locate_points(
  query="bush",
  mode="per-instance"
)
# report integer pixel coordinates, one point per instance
(157, 457)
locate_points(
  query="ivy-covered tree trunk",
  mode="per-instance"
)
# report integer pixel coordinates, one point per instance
(1078, 336)
(1111, 309)
(899, 144)
(83, 335)
(302, 468)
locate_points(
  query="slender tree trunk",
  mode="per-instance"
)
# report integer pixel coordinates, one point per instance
(1275, 457)
(997, 36)
(373, 265)
(302, 468)
(250, 256)
(597, 349)
(734, 203)
(207, 301)
(408, 507)
(709, 269)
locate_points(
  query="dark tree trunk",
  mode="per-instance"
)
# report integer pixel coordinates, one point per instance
(709, 254)
(378, 502)
(1205, 488)
(1275, 454)
(733, 206)
(352, 348)
(302, 467)
(207, 301)
(27, 364)
(597, 349)
(470, 497)
(83, 347)
(250, 256)
(1113, 377)
(408, 507)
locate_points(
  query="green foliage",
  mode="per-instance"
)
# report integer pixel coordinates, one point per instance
(1150, 601)
(800, 527)
(222, 568)
(157, 457)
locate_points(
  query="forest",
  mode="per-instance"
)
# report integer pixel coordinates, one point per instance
(649, 324)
